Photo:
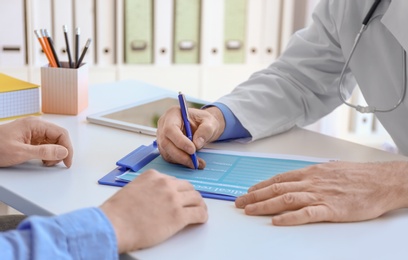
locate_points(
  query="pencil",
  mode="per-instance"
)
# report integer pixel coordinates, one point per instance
(51, 43)
(88, 42)
(47, 44)
(65, 29)
(77, 46)
(44, 47)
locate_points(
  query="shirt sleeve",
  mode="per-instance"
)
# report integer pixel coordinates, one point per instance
(81, 234)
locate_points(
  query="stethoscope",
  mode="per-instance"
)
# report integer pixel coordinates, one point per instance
(371, 109)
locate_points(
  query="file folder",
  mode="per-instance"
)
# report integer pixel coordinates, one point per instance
(271, 31)
(41, 18)
(139, 31)
(212, 32)
(227, 175)
(187, 31)
(105, 27)
(12, 39)
(163, 31)
(84, 13)
(234, 31)
(62, 15)
(254, 31)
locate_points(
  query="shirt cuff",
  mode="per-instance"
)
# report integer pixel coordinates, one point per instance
(85, 233)
(233, 128)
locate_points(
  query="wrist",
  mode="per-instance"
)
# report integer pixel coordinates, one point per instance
(219, 118)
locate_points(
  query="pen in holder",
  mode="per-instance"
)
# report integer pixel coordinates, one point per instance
(64, 90)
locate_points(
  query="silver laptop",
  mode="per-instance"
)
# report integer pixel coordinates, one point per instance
(142, 116)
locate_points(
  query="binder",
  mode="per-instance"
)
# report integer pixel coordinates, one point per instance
(139, 31)
(84, 17)
(224, 178)
(254, 31)
(105, 27)
(212, 32)
(186, 31)
(18, 97)
(271, 25)
(12, 40)
(293, 18)
(234, 31)
(163, 31)
(62, 15)
(41, 19)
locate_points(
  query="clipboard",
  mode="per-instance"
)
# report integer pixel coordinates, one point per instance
(227, 175)
(139, 158)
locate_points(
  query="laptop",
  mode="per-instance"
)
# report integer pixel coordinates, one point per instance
(142, 116)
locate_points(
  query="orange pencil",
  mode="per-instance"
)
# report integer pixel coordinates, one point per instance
(45, 49)
(47, 43)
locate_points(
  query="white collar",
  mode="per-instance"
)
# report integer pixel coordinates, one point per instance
(396, 21)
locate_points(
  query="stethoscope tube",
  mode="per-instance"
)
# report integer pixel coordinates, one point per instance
(371, 109)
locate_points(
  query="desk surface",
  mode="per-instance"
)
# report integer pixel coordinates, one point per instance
(229, 234)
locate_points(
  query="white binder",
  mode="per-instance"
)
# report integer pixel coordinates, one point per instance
(212, 31)
(269, 50)
(254, 31)
(84, 17)
(40, 19)
(105, 32)
(163, 31)
(12, 40)
(63, 15)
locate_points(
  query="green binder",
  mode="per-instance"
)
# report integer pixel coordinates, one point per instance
(138, 31)
(186, 47)
(234, 31)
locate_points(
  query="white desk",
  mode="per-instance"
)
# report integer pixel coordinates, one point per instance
(229, 234)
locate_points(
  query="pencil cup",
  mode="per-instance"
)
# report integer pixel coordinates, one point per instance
(64, 90)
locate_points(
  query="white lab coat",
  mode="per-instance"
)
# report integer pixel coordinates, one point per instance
(302, 85)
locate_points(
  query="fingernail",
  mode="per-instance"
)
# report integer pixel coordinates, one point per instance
(250, 208)
(251, 189)
(200, 142)
(61, 153)
(240, 202)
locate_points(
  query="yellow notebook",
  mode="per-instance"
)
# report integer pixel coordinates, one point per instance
(18, 97)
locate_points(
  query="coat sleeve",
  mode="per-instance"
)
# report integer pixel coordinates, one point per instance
(82, 234)
(301, 86)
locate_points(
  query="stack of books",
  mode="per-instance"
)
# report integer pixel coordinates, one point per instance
(18, 98)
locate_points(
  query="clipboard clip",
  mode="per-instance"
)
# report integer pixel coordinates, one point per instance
(138, 158)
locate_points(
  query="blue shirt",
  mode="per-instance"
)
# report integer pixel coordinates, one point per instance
(233, 128)
(81, 234)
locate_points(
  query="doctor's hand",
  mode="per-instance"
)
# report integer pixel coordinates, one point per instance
(330, 192)
(33, 138)
(152, 208)
(207, 125)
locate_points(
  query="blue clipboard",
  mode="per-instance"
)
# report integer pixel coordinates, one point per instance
(139, 158)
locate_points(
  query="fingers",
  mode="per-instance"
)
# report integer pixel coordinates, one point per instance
(268, 192)
(298, 208)
(290, 176)
(58, 135)
(305, 215)
(174, 146)
(196, 215)
(51, 154)
(285, 202)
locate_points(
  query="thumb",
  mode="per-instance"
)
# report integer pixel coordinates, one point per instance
(48, 152)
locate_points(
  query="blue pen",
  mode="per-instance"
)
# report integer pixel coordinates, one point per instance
(187, 127)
